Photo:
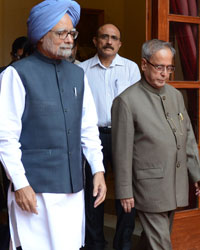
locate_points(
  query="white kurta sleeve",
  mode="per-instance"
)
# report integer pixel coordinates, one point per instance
(12, 102)
(90, 141)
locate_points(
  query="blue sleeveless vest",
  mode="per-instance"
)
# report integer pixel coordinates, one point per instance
(51, 124)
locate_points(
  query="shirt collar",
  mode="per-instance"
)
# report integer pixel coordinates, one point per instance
(116, 61)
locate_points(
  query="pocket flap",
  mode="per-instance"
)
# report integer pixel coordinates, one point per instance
(150, 173)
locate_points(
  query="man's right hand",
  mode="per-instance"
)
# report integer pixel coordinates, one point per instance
(26, 199)
(127, 204)
(100, 189)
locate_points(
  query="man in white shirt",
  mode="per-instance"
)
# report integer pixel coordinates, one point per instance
(108, 75)
(48, 119)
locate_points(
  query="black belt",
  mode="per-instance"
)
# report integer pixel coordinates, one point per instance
(105, 130)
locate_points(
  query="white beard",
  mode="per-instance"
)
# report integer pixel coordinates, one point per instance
(64, 51)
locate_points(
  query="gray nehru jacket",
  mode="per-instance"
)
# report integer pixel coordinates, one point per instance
(154, 147)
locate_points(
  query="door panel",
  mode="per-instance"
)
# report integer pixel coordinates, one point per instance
(184, 37)
(178, 21)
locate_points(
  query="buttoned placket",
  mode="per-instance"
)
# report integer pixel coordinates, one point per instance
(108, 93)
(65, 108)
(173, 127)
(177, 136)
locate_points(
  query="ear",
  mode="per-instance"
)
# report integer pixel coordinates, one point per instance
(120, 44)
(95, 41)
(143, 64)
(39, 43)
(41, 40)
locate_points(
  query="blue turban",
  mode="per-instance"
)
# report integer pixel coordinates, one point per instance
(45, 15)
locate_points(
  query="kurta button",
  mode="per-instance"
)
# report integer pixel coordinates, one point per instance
(164, 98)
(178, 165)
(68, 131)
(178, 147)
(167, 114)
(65, 110)
(174, 130)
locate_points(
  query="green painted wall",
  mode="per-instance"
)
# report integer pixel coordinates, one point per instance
(15, 14)
(134, 28)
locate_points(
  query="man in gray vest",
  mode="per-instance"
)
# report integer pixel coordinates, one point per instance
(48, 120)
(154, 148)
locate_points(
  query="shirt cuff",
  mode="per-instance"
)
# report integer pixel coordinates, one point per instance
(20, 181)
(97, 168)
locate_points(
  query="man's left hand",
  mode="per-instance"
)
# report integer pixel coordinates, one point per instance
(197, 186)
(100, 189)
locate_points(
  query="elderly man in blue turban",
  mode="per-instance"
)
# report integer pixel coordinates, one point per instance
(48, 121)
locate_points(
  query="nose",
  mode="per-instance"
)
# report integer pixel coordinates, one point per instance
(165, 72)
(69, 39)
(109, 40)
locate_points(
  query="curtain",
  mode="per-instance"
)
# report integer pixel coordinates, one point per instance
(186, 36)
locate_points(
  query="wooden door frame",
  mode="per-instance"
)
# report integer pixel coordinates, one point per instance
(185, 234)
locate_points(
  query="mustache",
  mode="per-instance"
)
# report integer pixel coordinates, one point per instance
(67, 46)
(108, 47)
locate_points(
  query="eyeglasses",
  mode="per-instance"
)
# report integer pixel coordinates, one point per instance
(161, 68)
(63, 34)
(106, 37)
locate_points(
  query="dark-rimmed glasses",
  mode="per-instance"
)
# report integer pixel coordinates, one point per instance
(161, 68)
(63, 34)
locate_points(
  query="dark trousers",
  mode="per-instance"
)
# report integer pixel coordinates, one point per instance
(95, 239)
(4, 228)
(4, 237)
(124, 228)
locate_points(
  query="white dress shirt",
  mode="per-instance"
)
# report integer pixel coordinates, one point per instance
(107, 83)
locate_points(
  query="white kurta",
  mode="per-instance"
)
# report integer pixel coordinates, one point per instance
(60, 223)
